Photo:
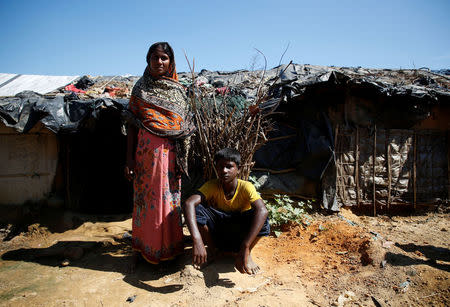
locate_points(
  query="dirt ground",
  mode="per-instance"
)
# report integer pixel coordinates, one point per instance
(338, 260)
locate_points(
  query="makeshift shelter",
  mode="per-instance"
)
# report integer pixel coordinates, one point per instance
(332, 122)
(63, 148)
(345, 136)
(377, 137)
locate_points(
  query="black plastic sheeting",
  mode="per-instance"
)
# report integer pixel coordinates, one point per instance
(92, 147)
(303, 163)
(60, 114)
(302, 142)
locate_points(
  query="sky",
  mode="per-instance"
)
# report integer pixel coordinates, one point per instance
(112, 37)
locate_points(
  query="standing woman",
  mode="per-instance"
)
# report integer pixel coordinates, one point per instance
(155, 157)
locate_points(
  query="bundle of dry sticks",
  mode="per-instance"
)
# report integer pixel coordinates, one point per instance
(220, 124)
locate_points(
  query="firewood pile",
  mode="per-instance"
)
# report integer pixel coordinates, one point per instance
(222, 122)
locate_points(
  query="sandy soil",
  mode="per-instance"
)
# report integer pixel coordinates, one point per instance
(340, 260)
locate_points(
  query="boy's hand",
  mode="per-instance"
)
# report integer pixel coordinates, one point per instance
(199, 256)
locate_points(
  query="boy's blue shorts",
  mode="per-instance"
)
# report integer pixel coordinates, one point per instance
(228, 229)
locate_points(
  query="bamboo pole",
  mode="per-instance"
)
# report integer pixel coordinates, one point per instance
(415, 169)
(68, 181)
(388, 160)
(397, 203)
(282, 137)
(373, 169)
(339, 184)
(448, 162)
(336, 132)
(357, 165)
(284, 171)
(432, 167)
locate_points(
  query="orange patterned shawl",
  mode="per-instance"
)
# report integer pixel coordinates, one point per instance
(161, 106)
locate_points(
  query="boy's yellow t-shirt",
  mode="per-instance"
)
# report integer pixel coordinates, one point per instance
(242, 199)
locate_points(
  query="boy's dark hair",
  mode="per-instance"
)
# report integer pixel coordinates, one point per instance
(229, 154)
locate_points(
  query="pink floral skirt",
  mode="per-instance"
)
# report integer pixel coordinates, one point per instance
(157, 227)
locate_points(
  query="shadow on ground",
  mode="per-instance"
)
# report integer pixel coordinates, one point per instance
(432, 253)
(108, 257)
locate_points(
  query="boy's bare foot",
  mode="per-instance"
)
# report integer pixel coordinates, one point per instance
(252, 266)
(246, 265)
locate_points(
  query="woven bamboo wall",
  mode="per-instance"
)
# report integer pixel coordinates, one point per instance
(410, 166)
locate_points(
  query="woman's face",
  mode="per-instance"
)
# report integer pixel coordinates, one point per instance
(159, 63)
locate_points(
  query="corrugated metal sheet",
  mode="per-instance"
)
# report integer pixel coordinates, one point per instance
(11, 84)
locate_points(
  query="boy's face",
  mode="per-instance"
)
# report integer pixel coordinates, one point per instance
(226, 170)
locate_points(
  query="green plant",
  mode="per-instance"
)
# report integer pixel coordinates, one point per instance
(255, 182)
(284, 210)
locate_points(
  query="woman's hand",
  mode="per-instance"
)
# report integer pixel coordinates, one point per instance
(129, 171)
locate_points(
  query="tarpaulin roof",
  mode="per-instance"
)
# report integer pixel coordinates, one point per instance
(12, 84)
(297, 79)
(59, 114)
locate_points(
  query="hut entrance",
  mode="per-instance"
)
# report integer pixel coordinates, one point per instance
(94, 160)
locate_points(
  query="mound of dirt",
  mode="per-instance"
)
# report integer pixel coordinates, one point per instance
(329, 245)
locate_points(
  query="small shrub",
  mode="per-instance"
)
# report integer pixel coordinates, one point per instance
(284, 211)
